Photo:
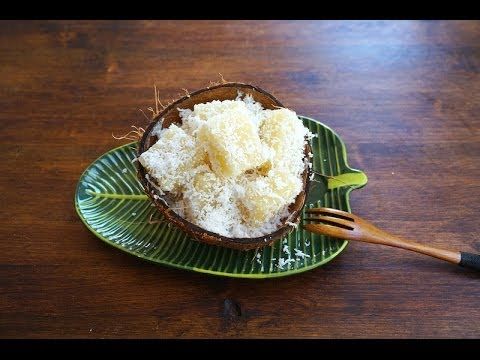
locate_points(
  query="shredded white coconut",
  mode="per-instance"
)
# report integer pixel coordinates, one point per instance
(300, 254)
(295, 225)
(157, 129)
(282, 262)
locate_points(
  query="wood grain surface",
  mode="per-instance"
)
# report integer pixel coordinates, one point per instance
(403, 95)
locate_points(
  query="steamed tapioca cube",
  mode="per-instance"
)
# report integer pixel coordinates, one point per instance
(205, 190)
(209, 203)
(207, 182)
(169, 160)
(265, 197)
(259, 202)
(173, 132)
(280, 130)
(206, 111)
(232, 143)
(285, 185)
(201, 193)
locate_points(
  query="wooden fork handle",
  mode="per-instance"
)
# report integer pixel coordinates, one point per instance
(470, 260)
(464, 259)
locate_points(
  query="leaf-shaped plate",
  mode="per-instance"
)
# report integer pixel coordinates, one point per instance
(111, 202)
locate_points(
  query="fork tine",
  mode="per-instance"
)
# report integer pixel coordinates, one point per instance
(311, 219)
(334, 221)
(332, 212)
(329, 230)
(329, 210)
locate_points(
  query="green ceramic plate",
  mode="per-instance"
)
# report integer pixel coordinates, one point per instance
(112, 204)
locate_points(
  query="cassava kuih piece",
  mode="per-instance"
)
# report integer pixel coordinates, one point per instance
(169, 115)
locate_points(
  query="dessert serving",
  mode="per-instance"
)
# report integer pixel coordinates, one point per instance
(228, 164)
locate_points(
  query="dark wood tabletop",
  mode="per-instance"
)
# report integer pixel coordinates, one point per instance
(404, 96)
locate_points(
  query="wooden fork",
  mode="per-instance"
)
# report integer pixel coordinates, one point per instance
(343, 225)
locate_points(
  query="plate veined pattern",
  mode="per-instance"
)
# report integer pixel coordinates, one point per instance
(111, 202)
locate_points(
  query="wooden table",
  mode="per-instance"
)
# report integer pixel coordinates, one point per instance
(403, 95)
